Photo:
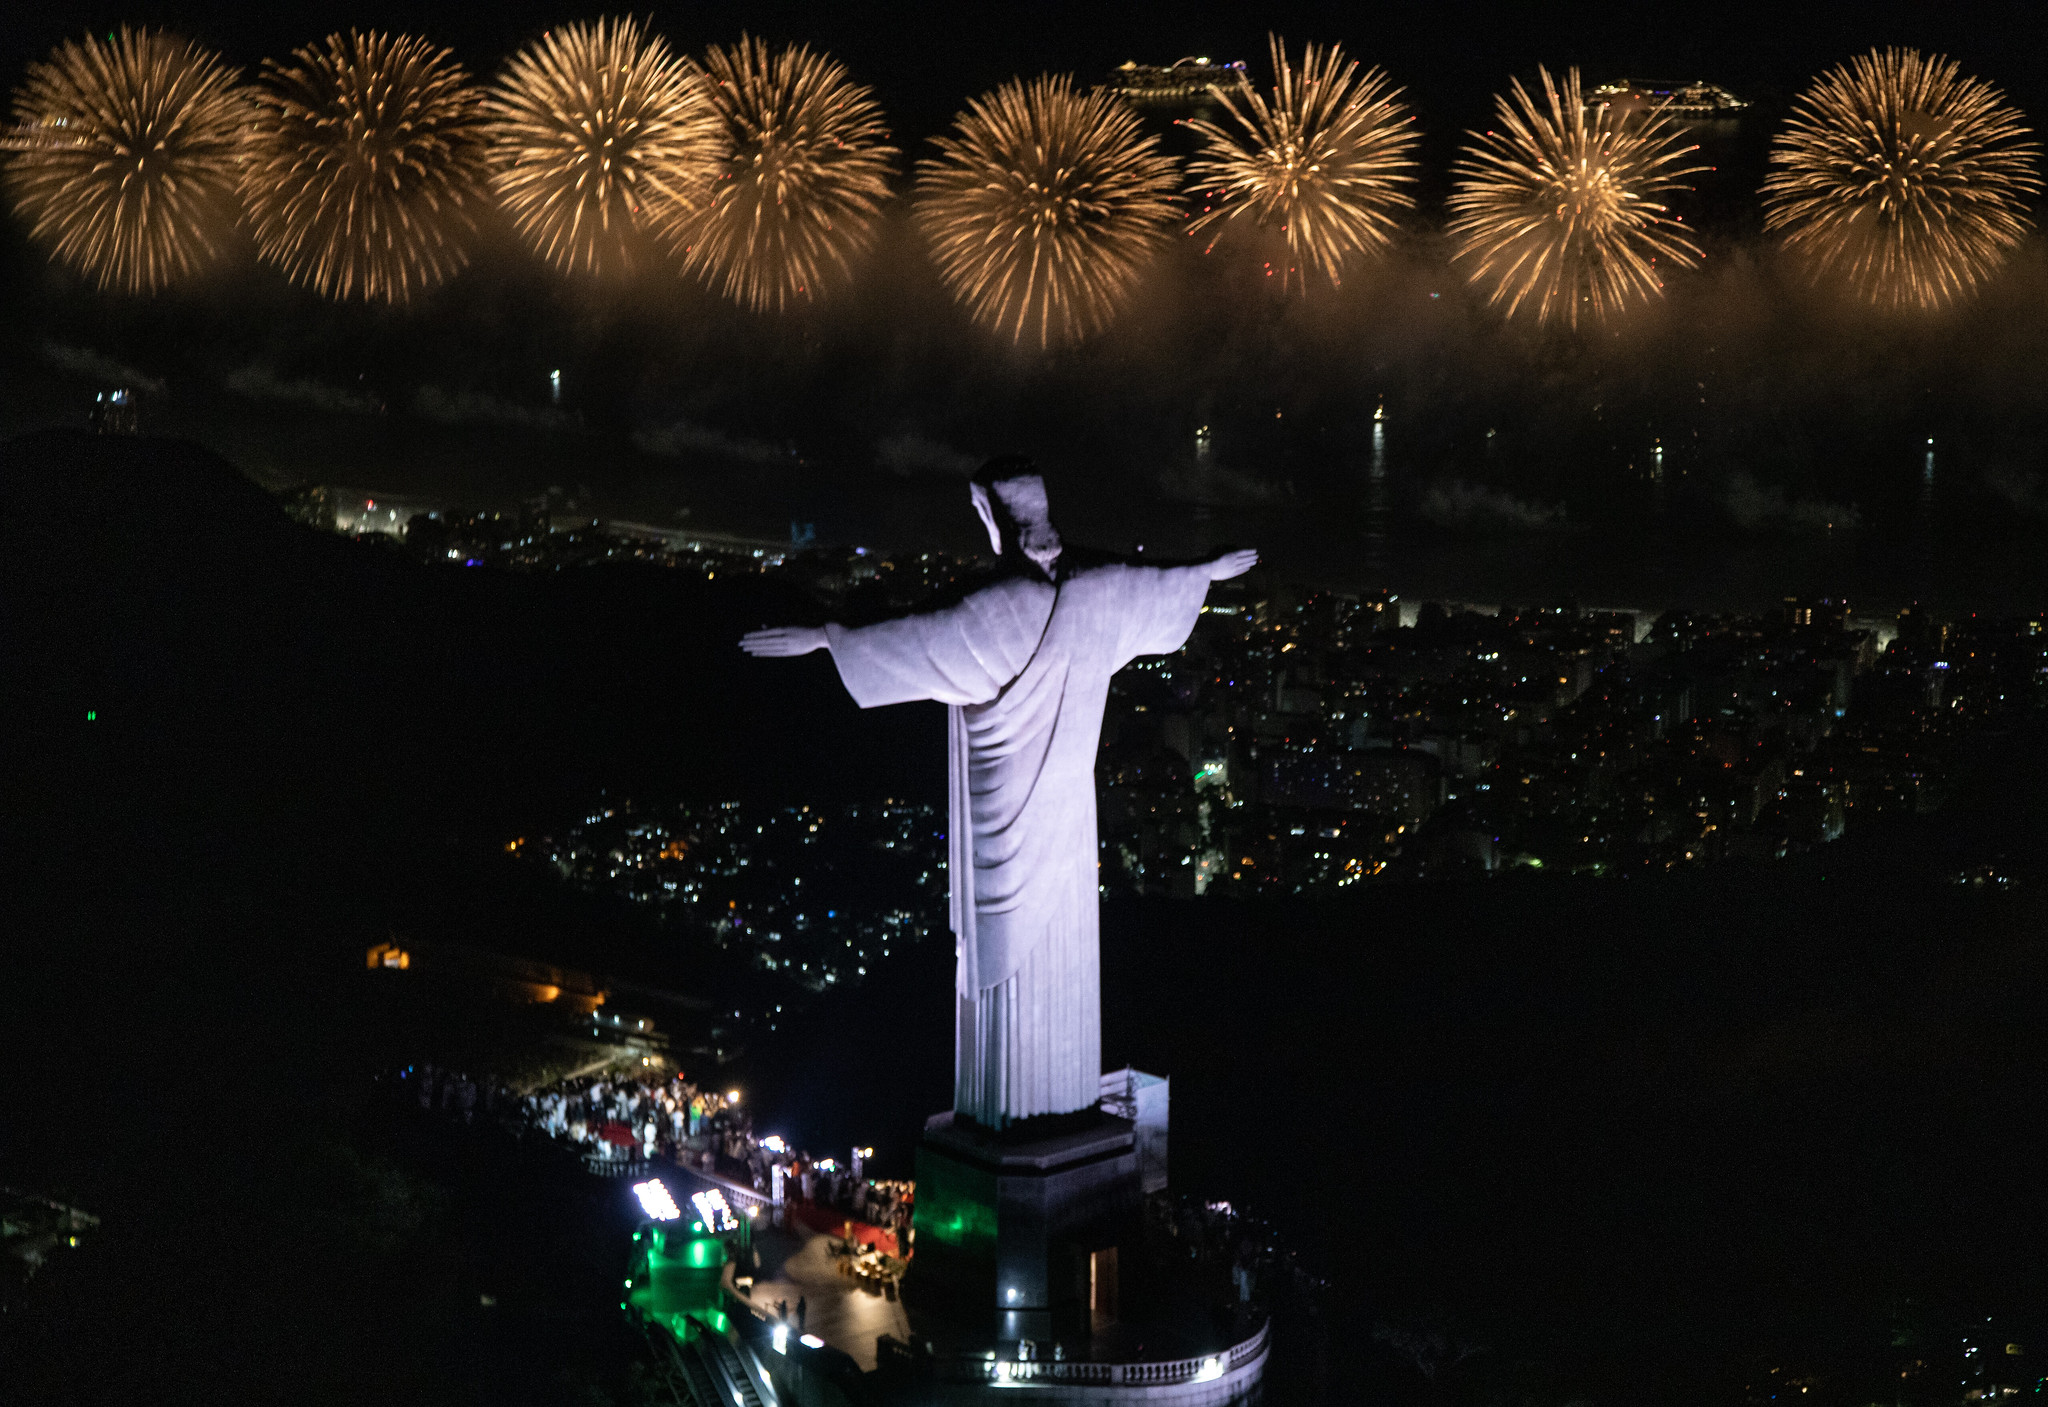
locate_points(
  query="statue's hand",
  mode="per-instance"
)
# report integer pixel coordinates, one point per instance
(1232, 564)
(783, 641)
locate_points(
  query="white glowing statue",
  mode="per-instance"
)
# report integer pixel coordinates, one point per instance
(1023, 666)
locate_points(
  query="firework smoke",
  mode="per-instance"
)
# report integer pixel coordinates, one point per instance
(365, 166)
(1043, 208)
(1322, 165)
(803, 183)
(123, 161)
(1902, 178)
(600, 138)
(1558, 212)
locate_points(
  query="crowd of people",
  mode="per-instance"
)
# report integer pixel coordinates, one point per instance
(627, 1117)
(452, 1092)
(619, 1122)
(608, 1116)
(1251, 1250)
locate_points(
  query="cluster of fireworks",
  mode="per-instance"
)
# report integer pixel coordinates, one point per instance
(126, 160)
(1317, 172)
(1903, 178)
(1558, 212)
(801, 182)
(366, 166)
(1044, 207)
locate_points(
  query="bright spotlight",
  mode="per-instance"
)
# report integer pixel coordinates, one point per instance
(655, 1199)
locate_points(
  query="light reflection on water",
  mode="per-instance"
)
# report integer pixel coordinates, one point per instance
(1664, 541)
(1375, 562)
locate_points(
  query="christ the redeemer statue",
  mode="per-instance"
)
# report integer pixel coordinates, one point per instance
(1023, 666)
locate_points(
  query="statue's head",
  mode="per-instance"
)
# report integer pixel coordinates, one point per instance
(1010, 498)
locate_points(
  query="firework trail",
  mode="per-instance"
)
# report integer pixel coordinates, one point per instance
(1901, 177)
(1043, 207)
(802, 187)
(600, 138)
(1322, 165)
(1559, 213)
(123, 159)
(365, 166)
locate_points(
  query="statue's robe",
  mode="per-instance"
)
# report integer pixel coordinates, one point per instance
(1024, 668)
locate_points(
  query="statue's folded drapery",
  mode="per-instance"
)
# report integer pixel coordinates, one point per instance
(1025, 668)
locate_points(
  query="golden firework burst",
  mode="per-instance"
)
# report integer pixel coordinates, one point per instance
(601, 139)
(803, 183)
(1903, 178)
(1320, 169)
(123, 160)
(1558, 214)
(365, 166)
(1043, 208)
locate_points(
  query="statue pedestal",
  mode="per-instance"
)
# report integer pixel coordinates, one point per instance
(1017, 1230)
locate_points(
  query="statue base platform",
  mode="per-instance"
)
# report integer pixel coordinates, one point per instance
(1039, 1265)
(1017, 1230)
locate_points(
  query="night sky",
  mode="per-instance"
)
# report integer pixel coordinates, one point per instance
(924, 57)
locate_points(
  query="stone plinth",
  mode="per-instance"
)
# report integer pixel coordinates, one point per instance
(1009, 1226)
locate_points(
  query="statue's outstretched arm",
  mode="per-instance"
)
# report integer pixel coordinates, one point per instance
(962, 653)
(780, 642)
(1233, 564)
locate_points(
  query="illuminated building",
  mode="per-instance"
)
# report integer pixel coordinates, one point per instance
(521, 981)
(1184, 83)
(1697, 100)
(115, 413)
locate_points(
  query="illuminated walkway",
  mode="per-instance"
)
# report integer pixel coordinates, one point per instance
(798, 1264)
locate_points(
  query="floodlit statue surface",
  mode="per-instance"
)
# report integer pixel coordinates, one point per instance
(1023, 666)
